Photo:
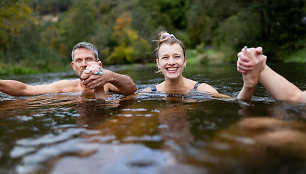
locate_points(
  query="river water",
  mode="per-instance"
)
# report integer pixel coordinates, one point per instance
(154, 133)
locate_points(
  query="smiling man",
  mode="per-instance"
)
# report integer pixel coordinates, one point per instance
(83, 54)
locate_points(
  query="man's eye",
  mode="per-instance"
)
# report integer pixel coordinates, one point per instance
(78, 60)
(164, 57)
(177, 57)
(89, 59)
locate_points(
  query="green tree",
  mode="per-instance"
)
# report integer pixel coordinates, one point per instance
(14, 15)
(131, 48)
(77, 25)
(199, 26)
(281, 22)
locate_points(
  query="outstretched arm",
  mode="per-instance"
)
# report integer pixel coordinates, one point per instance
(16, 88)
(280, 88)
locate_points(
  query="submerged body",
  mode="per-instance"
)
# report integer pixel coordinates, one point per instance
(83, 54)
(171, 62)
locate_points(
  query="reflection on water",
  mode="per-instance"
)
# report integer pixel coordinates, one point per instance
(152, 132)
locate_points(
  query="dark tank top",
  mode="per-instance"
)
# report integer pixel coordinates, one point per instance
(153, 89)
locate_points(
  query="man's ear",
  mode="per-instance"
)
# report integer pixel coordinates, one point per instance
(72, 66)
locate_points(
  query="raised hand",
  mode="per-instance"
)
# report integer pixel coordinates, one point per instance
(92, 78)
(250, 63)
(92, 68)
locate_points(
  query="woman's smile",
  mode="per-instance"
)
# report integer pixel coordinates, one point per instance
(172, 69)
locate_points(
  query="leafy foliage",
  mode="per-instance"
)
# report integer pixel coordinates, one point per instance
(14, 15)
(40, 34)
(131, 48)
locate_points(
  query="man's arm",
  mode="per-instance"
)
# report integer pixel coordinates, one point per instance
(121, 84)
(279, 87)
(16, 88)
(111, 81)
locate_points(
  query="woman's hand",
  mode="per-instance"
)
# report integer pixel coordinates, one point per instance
(250, 63)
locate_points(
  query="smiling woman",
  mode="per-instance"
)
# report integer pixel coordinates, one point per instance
(171, 61)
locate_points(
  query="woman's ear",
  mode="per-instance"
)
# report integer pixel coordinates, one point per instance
(157, 62)
(185, 61)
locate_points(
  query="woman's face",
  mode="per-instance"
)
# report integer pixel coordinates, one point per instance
(171, 60)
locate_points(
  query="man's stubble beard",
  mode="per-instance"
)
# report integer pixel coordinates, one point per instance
(80, 74)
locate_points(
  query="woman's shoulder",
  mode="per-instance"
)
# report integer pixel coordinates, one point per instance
(204, 87)
(148, 89)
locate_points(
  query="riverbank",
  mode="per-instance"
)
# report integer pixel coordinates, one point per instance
(194, 57)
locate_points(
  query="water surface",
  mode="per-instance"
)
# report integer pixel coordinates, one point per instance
(154, 133)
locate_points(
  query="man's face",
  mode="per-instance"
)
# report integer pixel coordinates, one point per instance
(81, 58)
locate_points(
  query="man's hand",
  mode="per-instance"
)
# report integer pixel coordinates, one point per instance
(250, 63)
(95, 76)
(93, 68)
(92, 80)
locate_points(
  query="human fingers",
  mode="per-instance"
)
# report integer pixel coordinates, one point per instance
(99, 62)
(85, 75)
(243, 57)
(250, 50)
(95, 69)
(242, 71)
(89, 79)
(92, 63)
(89, 68)
(244, 48)
(95, 83)
(243, 67)
(250, 54)
(259, 50)
(241, 61)
(264, 59)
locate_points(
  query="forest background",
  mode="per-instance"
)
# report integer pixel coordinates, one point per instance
(38, 35)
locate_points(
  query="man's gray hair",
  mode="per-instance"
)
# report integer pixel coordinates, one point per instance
(87, 46)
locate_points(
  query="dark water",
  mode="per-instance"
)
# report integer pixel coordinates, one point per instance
(153, 133)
